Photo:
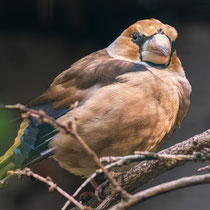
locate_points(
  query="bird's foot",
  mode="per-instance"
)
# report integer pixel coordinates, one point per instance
(85, 195)
(99, 190)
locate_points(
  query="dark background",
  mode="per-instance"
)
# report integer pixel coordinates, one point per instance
(41, 38)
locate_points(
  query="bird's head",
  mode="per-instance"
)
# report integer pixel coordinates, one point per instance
(145, 41)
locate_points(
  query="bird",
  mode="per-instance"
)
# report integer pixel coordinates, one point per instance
(132, 96)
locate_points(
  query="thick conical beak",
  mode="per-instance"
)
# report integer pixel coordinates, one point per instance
(157, 49)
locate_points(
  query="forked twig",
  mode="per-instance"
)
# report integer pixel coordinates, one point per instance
(48, 181)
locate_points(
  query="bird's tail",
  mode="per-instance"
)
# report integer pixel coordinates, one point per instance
(32, 141)
(11, 160)
(30, 146)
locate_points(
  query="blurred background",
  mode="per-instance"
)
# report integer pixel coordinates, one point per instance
(41, 38)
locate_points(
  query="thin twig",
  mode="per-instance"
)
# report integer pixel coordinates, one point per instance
(204, 168)
(203, 155)
(48, 181)
(4, 181)
(165, 187)
(66, 205)
(141, 156)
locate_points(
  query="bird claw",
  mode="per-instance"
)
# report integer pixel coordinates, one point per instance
(85, 195)
(97, 193)
(99, 190)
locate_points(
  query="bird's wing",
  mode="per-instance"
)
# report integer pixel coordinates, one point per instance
(83, 78)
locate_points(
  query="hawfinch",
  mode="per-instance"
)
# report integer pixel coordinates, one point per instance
(132, 96)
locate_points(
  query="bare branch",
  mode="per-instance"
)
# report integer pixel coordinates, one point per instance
(48, 181)
(168, 186)
(139, 157)
(144, 171)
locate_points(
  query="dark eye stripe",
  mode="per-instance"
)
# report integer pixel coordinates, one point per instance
(138, 38)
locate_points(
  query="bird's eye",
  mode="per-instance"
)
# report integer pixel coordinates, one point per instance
(135, 36)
